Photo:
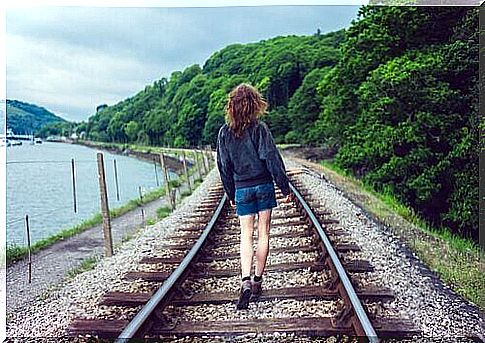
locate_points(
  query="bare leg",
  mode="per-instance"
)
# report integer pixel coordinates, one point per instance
(247, 226)
(264, 221)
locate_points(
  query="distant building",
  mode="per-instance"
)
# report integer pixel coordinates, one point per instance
(101, 107)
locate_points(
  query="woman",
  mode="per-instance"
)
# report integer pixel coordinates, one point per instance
(248, 161)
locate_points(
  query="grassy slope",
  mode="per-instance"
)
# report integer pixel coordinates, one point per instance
(457, 261)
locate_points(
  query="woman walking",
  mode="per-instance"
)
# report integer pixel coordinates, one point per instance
(248, 161)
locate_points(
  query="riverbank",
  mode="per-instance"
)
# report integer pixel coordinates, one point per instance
(16, 251)
(458, 262)
(151, 154)
(64, 258)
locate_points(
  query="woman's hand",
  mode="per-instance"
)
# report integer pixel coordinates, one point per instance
(232, 203)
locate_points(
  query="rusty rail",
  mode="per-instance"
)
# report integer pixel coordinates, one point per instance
(164, 292)
(363, 324)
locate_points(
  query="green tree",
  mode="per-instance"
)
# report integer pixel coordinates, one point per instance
(304, 106)
(131, 130)
(394, 95)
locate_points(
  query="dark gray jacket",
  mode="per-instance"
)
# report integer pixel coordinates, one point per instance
(250, 160)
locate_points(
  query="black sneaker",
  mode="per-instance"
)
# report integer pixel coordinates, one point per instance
(245, 295)
(256, 288)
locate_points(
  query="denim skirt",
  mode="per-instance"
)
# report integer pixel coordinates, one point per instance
(251, 200)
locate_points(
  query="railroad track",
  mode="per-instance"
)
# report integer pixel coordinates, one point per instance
(205, 252)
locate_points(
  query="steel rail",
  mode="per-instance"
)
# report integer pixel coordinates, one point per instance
(136, 323)
(349, 289)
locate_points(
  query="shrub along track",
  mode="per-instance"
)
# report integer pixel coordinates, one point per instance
(311, 285)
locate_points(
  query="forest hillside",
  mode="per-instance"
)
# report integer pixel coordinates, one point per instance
(395, 96)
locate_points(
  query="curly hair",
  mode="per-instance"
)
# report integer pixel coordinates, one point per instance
(245, 106)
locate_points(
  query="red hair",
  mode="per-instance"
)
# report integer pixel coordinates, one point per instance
(245, 106)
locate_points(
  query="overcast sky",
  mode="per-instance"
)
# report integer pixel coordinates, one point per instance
(71, 59)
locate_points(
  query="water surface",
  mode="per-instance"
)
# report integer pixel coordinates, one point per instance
(39, 184)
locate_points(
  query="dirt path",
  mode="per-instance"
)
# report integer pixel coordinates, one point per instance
(51, 265)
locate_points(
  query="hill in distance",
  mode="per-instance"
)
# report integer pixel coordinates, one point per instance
(25, 118)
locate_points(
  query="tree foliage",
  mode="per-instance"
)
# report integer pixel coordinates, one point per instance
(401, 105)
(395, 94)
(188, 109)
(25, 118)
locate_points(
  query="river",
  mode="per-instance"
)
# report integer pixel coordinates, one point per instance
(39, 184)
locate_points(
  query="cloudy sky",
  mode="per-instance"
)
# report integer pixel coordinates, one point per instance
(71, 59)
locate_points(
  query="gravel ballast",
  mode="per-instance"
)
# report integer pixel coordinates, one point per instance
(420, 296)
(78, 297)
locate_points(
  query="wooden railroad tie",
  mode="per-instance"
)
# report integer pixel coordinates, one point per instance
(131, 299)
(355, 266)
(233, 222)
(318, 326)
(308, 326)
(190, 238)
(342, 248)
(221, 243)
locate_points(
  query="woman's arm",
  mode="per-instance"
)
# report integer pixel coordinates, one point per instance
(268, 151)
(226, 169)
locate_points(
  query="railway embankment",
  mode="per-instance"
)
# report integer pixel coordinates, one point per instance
(419, 295)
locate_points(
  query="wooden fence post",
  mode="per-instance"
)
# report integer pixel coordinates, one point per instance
(116, 180)
(209, 155)
(73, 170)
(204, 161)
(29, 255)
(186, 172)
(207, 158)
(166, 181)
(108, 239)
(156, 174)
(198, 164)
(141, 206)
(173, 197)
